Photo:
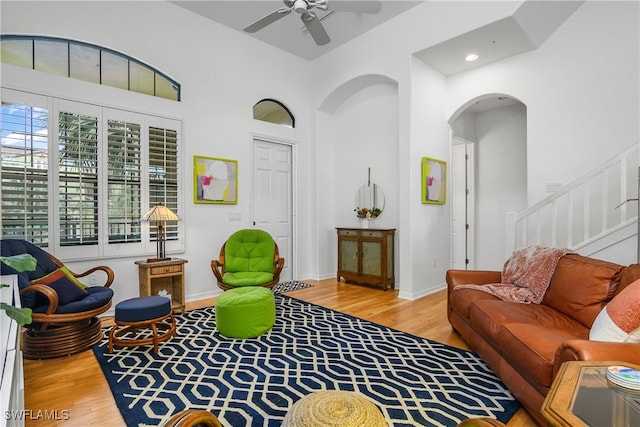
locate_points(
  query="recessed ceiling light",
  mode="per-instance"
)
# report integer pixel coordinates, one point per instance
(471, 57)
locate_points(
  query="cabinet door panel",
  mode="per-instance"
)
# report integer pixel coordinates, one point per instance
(390, 256)
(349, 256)
(372, 258)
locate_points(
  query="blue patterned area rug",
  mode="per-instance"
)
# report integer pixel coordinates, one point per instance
(292, 285)
(414, 381)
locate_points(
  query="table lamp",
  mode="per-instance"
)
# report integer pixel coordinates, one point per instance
(161, 214)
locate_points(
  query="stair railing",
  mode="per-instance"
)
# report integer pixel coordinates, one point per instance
(597, 206)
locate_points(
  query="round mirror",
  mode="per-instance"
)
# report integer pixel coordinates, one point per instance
(369, 201)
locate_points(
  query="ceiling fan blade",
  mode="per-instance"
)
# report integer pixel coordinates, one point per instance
(372, 6)
(315, 28)
(269, 19)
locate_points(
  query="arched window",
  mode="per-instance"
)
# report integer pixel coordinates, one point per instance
(88, 62)
(272, 111)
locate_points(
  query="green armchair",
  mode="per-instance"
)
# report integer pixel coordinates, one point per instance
(248, 258)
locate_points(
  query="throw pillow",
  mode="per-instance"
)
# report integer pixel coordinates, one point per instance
(619, 321)
(68, 291)
(20, 262)
(73, 278)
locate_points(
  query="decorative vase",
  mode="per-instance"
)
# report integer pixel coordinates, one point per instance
(364, 223)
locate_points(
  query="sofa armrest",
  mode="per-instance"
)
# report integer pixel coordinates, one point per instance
(471, 277)
(572, 350)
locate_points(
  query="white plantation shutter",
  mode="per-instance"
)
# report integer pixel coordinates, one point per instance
(163, 173)
(74, 176)
(24, 176)
(78, 179)
(124, 188)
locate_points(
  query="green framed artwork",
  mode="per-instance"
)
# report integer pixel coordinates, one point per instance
(215, 180)
(434, 181)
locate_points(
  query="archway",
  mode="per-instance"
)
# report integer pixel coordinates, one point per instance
(357, 129)
(488, 177)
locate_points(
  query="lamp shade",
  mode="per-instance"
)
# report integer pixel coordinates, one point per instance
(160, 213)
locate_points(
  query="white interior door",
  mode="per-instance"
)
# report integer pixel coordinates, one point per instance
(273, 197)
(462, 208)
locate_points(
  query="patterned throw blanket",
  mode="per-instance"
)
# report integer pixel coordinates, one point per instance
(526, 275)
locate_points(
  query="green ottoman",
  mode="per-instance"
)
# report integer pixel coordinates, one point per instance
(245, 312)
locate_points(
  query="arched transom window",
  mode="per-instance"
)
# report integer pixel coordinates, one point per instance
(272, 111)
(88, 62)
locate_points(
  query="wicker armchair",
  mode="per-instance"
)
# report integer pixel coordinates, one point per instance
(64, 311)
(248, 258)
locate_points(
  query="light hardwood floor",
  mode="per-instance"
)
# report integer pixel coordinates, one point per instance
(75, 384)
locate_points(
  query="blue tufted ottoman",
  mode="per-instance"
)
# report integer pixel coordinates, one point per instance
(141, 313)
(245, 312)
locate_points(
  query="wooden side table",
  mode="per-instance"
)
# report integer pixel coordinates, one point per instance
(167, 275)
(581, 396)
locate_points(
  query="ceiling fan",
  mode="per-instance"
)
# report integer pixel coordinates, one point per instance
(310, 19)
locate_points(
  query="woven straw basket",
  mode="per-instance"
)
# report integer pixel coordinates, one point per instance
(334, 408)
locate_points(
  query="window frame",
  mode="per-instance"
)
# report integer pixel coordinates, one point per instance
(104, 248)
(159, 78)
(277, 107)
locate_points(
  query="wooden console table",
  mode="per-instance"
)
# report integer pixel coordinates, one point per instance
(365, 255)
(166, 275)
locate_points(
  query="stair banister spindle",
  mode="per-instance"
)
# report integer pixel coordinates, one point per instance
(605, 203)
(554, 223)
(586, 212)
(570, 220)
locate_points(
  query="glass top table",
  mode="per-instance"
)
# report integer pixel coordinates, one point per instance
(581, 395)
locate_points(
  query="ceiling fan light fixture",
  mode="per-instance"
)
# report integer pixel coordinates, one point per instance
(300, 6)
(471, 57)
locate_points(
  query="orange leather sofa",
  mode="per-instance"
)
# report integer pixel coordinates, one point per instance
(525, 344)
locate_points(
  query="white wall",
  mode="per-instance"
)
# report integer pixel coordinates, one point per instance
(363, 136)
(581, 91)
(426, 229)
(580, 88)
(223, 74)
(501, 180)
(422, 230)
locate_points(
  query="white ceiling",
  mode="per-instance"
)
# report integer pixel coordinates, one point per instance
(532, 23)
(289, 33)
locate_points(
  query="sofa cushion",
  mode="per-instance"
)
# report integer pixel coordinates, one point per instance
(628, 275)
(528, 335)
(461, 299)
(581, 286)
(531, 350)
(619, 321)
